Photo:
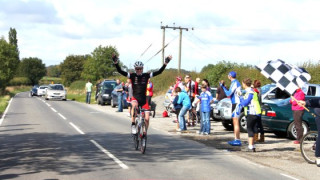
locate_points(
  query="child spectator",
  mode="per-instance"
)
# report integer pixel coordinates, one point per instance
(205, 100)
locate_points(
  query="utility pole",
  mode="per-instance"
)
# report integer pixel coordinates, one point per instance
(180, 41)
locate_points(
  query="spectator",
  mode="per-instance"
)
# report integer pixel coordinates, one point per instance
(205, 99)
(190, 89)
(298, 112)
(119, 90)
(220, 92)
(178, 83)
(97, 89)
(88, 89)
(206, 82)
(186, 104)
(252, 110)
(257, 89)
(176, 107)
(196, 84)
(234, 92)
(129, 95)
(149, 92)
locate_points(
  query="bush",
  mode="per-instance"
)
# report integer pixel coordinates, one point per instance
(19, 81)
(77, 85)
(50, 80)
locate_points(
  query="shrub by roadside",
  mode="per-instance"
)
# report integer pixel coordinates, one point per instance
(10, 92)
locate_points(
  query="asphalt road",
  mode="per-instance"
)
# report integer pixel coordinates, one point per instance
(68, 140)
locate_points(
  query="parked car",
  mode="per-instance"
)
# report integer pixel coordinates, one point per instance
(270, 94)
(41, 91)
(56, 91)
(34, 91)
(105, 89)
(277, 117)
(114, 101)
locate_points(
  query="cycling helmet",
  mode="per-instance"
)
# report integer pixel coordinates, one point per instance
(138, 64)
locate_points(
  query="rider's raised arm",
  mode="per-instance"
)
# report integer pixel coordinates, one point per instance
(116, 63)
(167, 60)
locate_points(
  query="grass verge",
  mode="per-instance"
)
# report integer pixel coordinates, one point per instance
(10, 92)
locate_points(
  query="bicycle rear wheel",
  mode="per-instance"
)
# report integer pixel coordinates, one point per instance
(308, 147)
(143, 138)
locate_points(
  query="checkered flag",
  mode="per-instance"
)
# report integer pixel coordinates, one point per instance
(287, 77)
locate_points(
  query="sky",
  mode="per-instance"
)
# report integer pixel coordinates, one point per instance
(246, 31)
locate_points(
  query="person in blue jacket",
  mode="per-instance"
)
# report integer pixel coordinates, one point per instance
(183, 99)
(234, 92)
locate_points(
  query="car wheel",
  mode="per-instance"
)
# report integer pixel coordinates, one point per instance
(227, 125)
(112, 103)
(292, 132)
(243, 122)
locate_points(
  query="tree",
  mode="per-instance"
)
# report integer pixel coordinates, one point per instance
(32, 68)
(72, 67)
(13, 39)
(9, 60)
(100, 65)
(54, 71)
(214, 73)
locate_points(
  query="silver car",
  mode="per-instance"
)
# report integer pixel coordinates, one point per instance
(56, 91)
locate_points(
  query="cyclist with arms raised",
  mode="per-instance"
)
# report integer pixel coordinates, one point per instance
(139, 86)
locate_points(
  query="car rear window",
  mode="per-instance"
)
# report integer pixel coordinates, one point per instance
(109, 85)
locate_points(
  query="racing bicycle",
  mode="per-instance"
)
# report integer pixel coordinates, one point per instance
(308, 146)
(141, 135)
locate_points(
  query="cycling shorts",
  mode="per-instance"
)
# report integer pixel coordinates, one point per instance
(142, 102)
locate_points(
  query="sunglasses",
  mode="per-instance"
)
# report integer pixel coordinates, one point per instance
(138, 69)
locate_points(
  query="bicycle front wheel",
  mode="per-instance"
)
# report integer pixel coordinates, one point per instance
(143, 138)
(308, 146)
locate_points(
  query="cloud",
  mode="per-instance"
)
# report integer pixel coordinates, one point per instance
(22, 12)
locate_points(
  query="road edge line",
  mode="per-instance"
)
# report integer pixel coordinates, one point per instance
(5, 112)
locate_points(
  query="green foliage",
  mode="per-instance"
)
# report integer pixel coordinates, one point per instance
(100, 64)
(13, 39)
(54, 71)
(71, 68)
(313, 69)
(50, 80)
(214, 73)
(33, 69)
(19, 81)
(9, 61)
(77, 85)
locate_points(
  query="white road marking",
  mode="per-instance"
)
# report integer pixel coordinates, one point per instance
(75, 127)
(62, 116)
(5, 112)
(53, 109)
(48, 104)
(258, 165)
(120, 163)
(288, 176)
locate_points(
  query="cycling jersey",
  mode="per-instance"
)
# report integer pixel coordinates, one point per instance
(234, 87)
(139, 82)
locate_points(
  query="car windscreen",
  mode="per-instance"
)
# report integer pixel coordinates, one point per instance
(56, 87)
(109, 85)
